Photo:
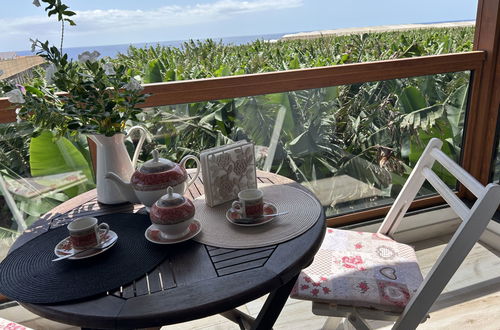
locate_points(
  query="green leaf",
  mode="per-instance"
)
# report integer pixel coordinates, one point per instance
(441, 130)
(152, 73)
(169, 75)
(34, 91)
(294, 64)
(456, 106)
(331, 93)
(52, 12)
(6, 233)
(411, 99)
(222, 71)
(49, 157)
(302, 145)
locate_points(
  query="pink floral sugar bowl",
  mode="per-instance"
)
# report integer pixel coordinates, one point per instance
(172, 214)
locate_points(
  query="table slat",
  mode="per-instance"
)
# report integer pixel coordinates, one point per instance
(167, 275)
(154, 278)
(242, 267)
(243, 259)
(186, 272)
(224, 254)
(141, 286)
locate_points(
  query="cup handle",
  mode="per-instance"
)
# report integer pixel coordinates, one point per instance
(236, 205)
(198, 168)
(104, 226)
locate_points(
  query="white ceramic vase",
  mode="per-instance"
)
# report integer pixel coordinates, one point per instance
(112, 156)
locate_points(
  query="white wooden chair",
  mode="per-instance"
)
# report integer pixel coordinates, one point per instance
(361, 276)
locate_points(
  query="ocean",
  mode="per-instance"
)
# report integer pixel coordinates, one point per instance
(113, 50)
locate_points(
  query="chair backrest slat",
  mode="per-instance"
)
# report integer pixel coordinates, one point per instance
(449, 196)
(458, 172)
(409, 191)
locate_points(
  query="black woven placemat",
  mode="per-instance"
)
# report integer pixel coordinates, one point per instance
(29, 275)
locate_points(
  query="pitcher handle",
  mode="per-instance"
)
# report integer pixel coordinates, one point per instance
(144, 135)
(198, 168)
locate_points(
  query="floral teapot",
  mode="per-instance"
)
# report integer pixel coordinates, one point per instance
(151, 180)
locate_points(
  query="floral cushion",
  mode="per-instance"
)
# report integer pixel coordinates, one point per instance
(360, 269)
(9, 325)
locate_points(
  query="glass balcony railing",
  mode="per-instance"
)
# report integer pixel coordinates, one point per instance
(352, 145)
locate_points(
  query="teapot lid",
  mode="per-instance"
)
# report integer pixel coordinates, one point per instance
(156, 164)
(171, 199)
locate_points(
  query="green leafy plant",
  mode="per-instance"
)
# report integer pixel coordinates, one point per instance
(100, 97)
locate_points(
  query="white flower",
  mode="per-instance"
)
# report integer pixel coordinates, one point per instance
(133, 85)
(36, 3)
(49, 73)
(15, 96)
(33, 44)
(109, 69)
(88, 56)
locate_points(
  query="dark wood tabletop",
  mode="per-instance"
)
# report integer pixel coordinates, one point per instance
(194, 281)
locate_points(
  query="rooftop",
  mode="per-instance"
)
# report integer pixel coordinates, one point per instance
(18, 64)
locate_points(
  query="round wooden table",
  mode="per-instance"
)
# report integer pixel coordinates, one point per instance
(195, 281)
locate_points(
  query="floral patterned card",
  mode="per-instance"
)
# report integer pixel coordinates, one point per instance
(227, 170)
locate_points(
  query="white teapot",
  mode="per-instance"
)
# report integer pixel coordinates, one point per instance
(151, 180)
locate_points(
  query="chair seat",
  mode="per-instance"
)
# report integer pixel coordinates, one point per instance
(360, 269)
(9, 325)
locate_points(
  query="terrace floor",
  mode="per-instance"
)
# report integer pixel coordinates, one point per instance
(470, 301)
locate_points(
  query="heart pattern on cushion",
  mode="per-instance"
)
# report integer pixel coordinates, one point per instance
(389, 272)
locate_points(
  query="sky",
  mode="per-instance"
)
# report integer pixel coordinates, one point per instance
(109, 22)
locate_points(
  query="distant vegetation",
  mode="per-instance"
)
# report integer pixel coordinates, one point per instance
(202, 59)
(371, 131)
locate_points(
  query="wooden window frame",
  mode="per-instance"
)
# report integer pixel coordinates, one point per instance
(484, 98)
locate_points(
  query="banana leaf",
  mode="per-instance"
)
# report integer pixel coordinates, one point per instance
(411, 99)
(49, 156)
(152, 73)
(456, 106)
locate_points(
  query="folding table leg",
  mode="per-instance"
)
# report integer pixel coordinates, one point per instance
(358, 322)
(243, 320)
(273, 306)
